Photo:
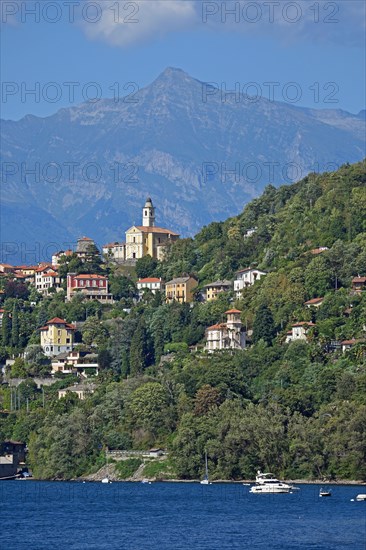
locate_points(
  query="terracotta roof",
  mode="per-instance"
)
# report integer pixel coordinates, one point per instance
(303, 323)
(58, 321)
(318, 250)
(232, 311)
(359, 280)
(68, 252)
(2, 310)
(112, 245)
(50, 274)
(314, 301)
(153, 229)
(352, 341)
(150, 280)
(6, 265)
(217, 326)
(85, 239)
(91, 276)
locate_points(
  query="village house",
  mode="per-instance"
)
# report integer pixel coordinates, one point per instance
(115, 251)
(57, 336)
(212, 290)
(58, 255)
(82, 390)
(358, 284)
(91, 286)
(319, 250)
(154, 284)
(46, 277)
(180, 289)
(6, 268)
(314, 302)
(299, 331)
(246, 277)
(349, 344)
(229, 335)
(82, 363)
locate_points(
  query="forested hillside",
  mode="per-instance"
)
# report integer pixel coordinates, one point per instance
(296, 408)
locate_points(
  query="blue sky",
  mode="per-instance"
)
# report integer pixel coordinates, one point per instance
(317, 46)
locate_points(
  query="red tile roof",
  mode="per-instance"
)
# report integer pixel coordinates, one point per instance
(217, 326)
(359, 280)
(352, 341)
(314, 301)
(91, 276)
(50, 274)
(112, 245)
(318, 250)
(232, 311)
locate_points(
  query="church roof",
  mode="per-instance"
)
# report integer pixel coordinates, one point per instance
(153, 229)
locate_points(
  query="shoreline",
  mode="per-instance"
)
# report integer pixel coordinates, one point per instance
(213, 482)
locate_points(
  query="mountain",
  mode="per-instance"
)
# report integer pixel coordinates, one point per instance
(176, 140)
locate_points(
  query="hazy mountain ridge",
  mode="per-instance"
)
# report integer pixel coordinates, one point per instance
(164, 134)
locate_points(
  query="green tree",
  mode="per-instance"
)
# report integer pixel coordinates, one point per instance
(6, 329)
(138, 351)
(263, 326)
(15, 326)
(146, 266)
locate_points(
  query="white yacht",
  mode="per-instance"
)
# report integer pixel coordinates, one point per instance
(268, 483)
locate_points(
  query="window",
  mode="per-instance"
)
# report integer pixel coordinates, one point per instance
(133, 254)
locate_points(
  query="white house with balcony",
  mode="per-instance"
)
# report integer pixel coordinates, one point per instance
(229, 335)
(246, 277)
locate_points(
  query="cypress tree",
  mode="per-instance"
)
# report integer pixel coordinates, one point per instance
(6, 329)
(263, 326)
(138, 349)
(15, 326)
(158, 343)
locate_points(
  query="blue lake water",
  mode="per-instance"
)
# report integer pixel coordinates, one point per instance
(168, 516)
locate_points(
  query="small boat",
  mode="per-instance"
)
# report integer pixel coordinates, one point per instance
(361, 497)
(146, 481)
(205, 480)
(268, 483)
(106, 479)
(325, 492)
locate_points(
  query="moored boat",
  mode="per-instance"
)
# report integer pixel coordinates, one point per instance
(268, 483)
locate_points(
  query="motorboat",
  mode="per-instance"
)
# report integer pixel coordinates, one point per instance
(268, 483)
(146, 481)
(325, 492)
(106, 480)
(361, 497)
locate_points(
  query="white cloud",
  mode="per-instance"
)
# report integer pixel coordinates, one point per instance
(125, 23)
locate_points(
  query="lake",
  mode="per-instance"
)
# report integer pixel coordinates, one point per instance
(172, 516)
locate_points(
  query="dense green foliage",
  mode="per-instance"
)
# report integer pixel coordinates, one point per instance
(298, 409)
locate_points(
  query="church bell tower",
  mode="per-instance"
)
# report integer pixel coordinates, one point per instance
(148, 214)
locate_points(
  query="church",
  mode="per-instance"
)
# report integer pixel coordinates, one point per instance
(142, 240)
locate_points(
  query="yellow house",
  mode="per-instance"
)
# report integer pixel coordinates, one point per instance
(57, 336)
(145, 239)
(212, 290)
(180, 290)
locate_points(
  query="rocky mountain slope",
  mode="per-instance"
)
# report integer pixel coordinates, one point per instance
(200, 155)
